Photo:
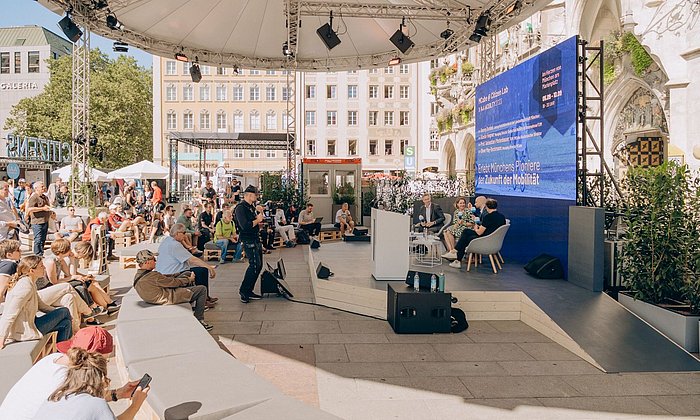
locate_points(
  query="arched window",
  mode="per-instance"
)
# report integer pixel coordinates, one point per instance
(254, 120)
(221, 121)
(271, 121)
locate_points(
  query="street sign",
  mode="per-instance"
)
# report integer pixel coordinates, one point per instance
(409, 158)
(12, 170)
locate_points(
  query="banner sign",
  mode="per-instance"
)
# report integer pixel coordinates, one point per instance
(409, 158)
(39, 150)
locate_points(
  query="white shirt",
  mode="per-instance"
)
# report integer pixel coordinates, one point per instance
(427, 212)
(33, 389)
(341, 215)
(6, 215)
(76, 407)
(280, 220)
(172, 257)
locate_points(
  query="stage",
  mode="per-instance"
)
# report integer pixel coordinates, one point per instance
(589, 324)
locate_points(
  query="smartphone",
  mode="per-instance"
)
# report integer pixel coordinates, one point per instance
(143, 383)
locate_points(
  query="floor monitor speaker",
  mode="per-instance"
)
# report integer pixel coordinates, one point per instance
(545, 266)
(323, 271)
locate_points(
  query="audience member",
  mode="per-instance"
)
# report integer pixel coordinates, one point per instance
(490, 221)
(191, 234)
(169, 218)
(429, 216)
(285, 229)
(225, 238)
(292, 214)
(248, 220)
(39, 213)
(267, 232)
(62, 196)
(236, 190)
(19, 320)
(117, 223)
(159, 289)
(157, 228)
(307, 221)
(71, 226)
(157, 199)
(20, 193)
(220, 213)
(99, 222)
(205, 224)
(210, 194)
(463, 218)
(8, 215)
(343, 220)
(52, 191)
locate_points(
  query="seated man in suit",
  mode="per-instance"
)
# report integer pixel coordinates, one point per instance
(491, 220)
(429, 216)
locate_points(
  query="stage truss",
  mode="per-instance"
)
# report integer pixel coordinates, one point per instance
(80, 115)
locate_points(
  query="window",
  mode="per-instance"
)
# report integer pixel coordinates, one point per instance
(170, 68)
(434, 142)
(310, 91)
(331, 148)
(403, 117)
(271, 154)
(220, 71)
(238, 153)
(373, 147)
(204, 93)
(331, 92)
(255, 153)
(204, 121)
(270, 72)
(352, 117)
(403, 69)
(318, 182)
(5, 63)
(403, 92)
(434, 64)
(221, 93)
(238, 123)
(170, 93)
(238, 93)
(373, 71)
(285, 121)
(311, 147)
(18, 62)
(331, 117)
(388, 92)
(352, 147)
(206, 70)
(433, 108)
(352, 91)
(188, 93)
(254, 72)
(389, 70)
(352, 71)
(388, 117)
(373, 116)
(310, 118)
(285, 93)
(271, 121)
(254, 120)
(254, 93)
(221, 121)
(171, 120)
(270, 93)
(186, 68)
(373, 91)
(402, 147)
(388, 147)
(187, 120)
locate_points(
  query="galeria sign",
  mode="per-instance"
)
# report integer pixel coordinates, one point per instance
(36, 149)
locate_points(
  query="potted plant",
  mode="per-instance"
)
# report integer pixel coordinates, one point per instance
(659, 258)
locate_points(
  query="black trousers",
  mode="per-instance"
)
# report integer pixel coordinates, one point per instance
(463, 242)
(201, 277)
(268, 239)
(253, 250)
(313, 228)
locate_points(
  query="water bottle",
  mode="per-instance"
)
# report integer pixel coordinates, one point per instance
(416, 282)
(433, 283)
(441, 282)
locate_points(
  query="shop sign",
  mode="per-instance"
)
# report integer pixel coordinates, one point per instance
(39, 150)
(19, 86)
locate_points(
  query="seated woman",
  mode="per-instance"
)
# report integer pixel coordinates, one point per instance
(84, 389)
(157, 228)
(463, 219)
(18, 321)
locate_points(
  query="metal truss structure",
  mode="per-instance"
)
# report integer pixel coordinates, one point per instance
(488, 66)
(80, 170)
(292, 10)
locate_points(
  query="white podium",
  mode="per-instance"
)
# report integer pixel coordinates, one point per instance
(390, 258)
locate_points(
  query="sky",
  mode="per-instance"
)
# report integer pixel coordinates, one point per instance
(30, 12)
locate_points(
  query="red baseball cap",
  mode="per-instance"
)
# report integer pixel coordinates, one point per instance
(93, 339)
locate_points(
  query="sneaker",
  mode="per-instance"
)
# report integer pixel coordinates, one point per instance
(209, 305)
(93, 322)
(349, 234)
(113, 309)
(245, 299)
(212, 299)
(254, 296)
(98, 310)
(206, 326)
(456, 264)
(450, 255)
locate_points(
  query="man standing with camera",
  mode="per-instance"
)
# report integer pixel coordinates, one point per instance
(248, 220)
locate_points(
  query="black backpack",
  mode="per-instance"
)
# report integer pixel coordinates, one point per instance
(459, 320)
(303, 237)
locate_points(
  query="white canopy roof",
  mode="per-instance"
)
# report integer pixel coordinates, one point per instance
(141, 170)
(184, 171)
(66, 172)
(251, 34)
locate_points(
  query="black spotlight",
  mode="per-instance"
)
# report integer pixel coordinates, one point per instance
(99, 4)
(401, 40)
(286, 51)
(120, 47)
(483, 24)
(70, 29)
(113, 23)
(475, 37)
(195, 72)
(328, 35)
(446, 34)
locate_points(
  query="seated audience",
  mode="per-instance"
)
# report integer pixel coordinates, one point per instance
(19, 320)
(26, 396)
(292, 214)
(463, 219)
(71, 226)
(81, 395)
(429, 216)
(117, 223)
(191, 234)
(285, 230)
(10, 254)
(307, 221)
(489, 222)
(157, 228)
(8, 215)
(343, 220)
(174, 259)
(267, 233)
(159, 289)
(220, 213)
(205, 225)
(169, 218)
(225, 238)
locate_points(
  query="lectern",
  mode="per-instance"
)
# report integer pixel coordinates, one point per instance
(389, 245)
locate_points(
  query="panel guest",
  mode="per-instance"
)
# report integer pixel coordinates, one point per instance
(429, 216)
(490, 221)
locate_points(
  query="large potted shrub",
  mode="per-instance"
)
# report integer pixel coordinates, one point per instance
(659, 259)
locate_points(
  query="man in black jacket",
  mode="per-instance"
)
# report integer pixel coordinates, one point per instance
(429, 216)
(248, 221)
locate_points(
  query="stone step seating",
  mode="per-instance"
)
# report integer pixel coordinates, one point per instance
(192, 377)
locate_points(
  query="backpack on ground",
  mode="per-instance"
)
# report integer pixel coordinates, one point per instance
(303, 237)
(459, 320)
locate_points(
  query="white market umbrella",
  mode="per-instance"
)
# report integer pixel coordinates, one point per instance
(66, 172)
(141, 170)
(184, 171)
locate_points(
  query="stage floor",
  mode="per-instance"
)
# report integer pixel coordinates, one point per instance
(615, 338)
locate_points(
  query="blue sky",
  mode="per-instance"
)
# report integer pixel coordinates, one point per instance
(29, 12)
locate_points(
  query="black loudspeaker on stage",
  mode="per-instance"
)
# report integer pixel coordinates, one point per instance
(272, 280)
(323, 271)
(545, 266)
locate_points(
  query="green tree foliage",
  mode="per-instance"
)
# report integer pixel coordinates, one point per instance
(121, 109)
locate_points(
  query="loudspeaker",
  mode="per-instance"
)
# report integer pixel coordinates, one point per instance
(401, 41)
(315, 244)
(323, 272)
(270, 283)
(410, 312)
(70, 29)
(423, 277)
(545, 266)
(360, 231)
(328, 36)
(357, 238)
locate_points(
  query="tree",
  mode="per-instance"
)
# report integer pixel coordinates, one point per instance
(121, 109)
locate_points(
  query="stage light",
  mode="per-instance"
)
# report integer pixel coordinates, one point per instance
(446, 34)
(401, 40)
(236, 70)
(328, 35)
(180, 56)
(395, 61)
(113, 23)
(475, 37)
(70, 28)
(99, 4)
(195, 71)
(120, 47)
(514, 7)
(286, 51)
(483, 24)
